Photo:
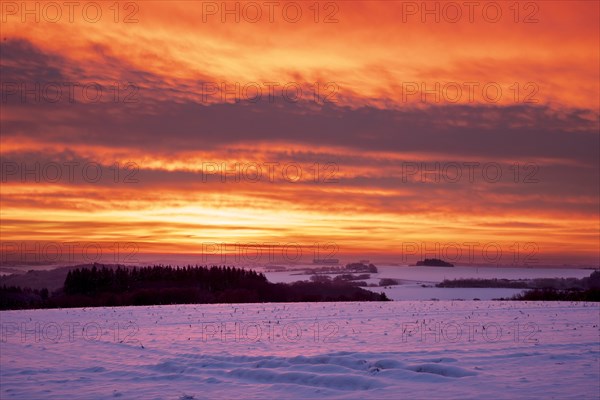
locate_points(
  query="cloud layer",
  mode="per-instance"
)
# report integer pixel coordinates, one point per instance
(359, 136)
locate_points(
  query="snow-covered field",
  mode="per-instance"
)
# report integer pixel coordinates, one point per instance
(417, 350)
(412, 279)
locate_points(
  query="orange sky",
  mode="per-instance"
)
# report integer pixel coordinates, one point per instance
(400, 95)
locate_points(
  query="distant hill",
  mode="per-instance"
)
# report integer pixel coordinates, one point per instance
(433, 262)
(52, 279)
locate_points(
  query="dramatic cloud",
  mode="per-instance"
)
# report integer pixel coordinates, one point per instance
(371, 130)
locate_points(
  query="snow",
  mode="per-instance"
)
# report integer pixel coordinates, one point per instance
(405, 349)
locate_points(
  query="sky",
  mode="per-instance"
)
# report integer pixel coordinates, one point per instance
(386, 130)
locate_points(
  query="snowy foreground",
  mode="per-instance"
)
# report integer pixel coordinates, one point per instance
(439, 349)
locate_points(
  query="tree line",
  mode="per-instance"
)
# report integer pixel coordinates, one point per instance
(100, 285)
